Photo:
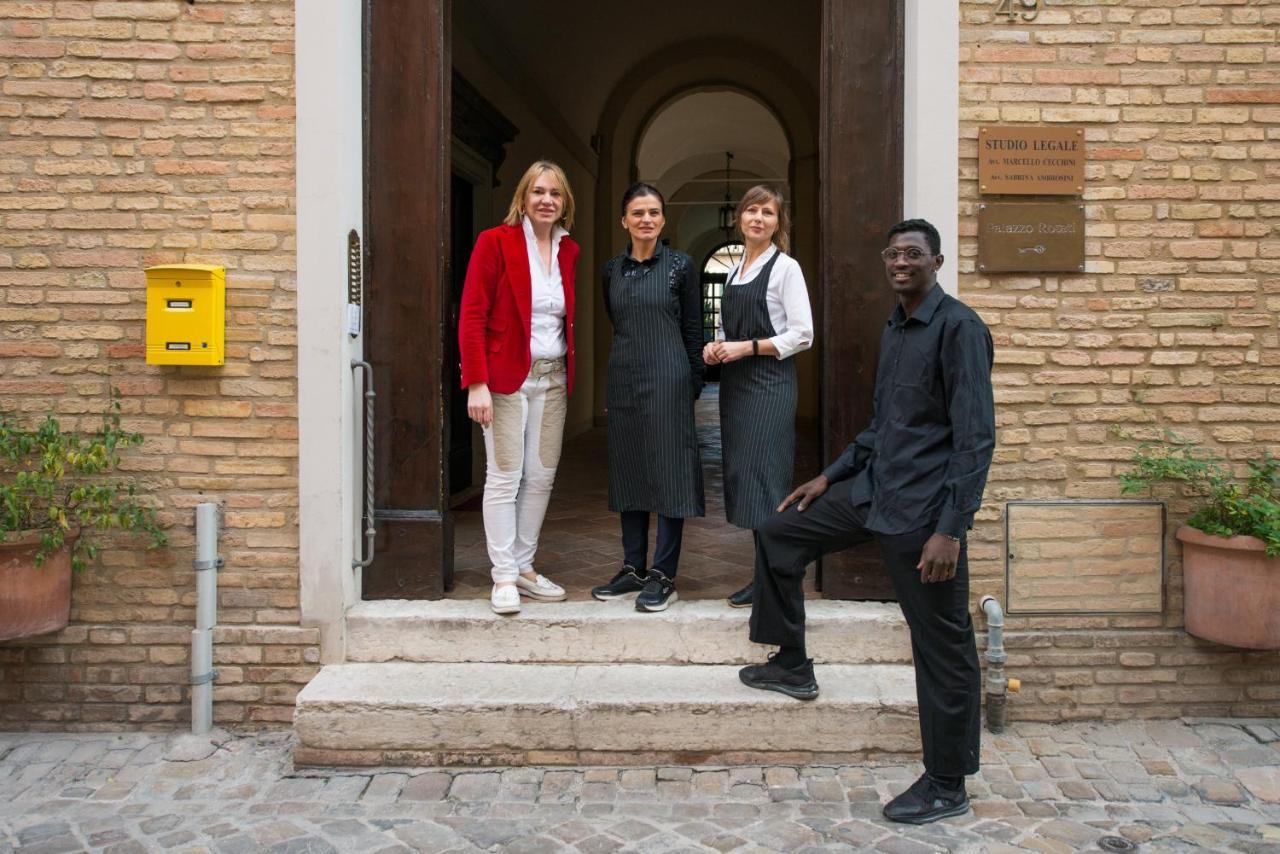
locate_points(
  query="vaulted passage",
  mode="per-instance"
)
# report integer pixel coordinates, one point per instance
(702, 146)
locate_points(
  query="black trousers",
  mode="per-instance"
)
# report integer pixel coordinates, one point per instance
(948, 678)
(635, 541)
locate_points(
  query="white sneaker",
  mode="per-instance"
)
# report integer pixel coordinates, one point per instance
(542, 588)
(505, 599)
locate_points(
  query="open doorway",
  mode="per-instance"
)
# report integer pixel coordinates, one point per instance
(581, 83)
(702, 137)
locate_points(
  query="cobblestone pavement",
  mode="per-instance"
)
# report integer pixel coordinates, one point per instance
(1162, 786)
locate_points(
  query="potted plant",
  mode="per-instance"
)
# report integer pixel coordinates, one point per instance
(56, 498)
(1230, 544)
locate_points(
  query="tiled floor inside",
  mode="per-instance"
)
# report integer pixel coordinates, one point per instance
(581, 544)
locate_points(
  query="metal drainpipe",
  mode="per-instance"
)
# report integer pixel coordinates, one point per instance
(998, 687)
(206, 565)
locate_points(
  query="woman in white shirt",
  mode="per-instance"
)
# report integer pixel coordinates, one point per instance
(765, 319)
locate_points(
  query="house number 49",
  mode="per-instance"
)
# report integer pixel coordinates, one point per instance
(1013, 9)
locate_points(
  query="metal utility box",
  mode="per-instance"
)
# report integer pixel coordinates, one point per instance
(186, 314)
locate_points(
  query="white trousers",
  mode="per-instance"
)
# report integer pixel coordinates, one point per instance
(522, 451)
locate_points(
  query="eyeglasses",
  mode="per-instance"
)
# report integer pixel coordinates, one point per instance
(912, 254)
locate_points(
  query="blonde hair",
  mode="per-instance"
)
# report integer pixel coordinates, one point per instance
(765, 193)
(533, 173)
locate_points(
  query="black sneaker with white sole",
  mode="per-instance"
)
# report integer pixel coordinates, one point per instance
(659, 592)
(798, 682)
(928, 799)
(627, 582)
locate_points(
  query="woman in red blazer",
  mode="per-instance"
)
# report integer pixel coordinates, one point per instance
(515, 334)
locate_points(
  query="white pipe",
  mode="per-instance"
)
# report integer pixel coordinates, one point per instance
(995, 630)
(998, 685)
(206, 566)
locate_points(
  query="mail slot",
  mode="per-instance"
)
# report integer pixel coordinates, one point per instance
(186, 314)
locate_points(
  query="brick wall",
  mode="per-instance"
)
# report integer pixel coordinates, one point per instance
(1102, 673)
(134, 134)
(1173, 324)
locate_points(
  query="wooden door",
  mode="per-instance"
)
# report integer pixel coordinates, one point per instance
(860, 166)
(407, 213)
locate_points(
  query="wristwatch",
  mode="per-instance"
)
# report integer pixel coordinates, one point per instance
(755, 346)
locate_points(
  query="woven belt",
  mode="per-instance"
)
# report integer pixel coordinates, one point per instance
(542, 367)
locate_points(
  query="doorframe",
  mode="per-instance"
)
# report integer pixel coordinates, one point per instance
(931, 125)
(329, 203)
(330, 181)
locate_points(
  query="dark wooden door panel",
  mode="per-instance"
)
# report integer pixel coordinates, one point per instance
(461, 238)
(861, 196)
(407, 234)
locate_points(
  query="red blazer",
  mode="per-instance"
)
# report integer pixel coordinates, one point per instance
(497, 296)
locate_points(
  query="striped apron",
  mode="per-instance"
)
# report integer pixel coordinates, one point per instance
(653, 445)
(757, 409)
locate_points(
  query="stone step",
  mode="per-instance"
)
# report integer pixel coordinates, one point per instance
(416, 714)
(697, 632)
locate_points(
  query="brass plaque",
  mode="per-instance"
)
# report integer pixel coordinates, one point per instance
(1030, 237)
(1084, 557)
(1031, 160)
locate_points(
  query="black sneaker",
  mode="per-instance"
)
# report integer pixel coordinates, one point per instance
(744, 597)
(628, 581)
(771, 676)
(659, 592)
(928, 799)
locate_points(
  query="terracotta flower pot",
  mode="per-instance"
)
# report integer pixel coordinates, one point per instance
(1231, 590)
(33, 600)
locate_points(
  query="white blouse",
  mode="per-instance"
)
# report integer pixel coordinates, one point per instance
(546, 326)
(787, 299)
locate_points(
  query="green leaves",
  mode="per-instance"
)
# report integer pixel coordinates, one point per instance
(55, 482)
(1232, 506)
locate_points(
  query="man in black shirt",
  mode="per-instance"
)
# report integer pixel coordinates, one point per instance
(912, 481)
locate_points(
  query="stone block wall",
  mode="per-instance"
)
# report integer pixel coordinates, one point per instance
(135, 134)
(1173, 325)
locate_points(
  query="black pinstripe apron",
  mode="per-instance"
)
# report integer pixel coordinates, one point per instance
(757, 409)
(653, 445)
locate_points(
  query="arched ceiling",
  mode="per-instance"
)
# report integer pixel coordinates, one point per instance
(689, 136)
(578, 51)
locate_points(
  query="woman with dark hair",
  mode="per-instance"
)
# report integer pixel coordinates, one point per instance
(652, 294)
(515, 335)
(765, 319)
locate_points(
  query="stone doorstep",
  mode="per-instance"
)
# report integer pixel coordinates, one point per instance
(325, 760)
(509, 711)
(697, 632)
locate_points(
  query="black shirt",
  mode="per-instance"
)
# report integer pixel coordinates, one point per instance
(924, 459)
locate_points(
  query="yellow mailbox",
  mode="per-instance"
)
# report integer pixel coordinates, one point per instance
(186, 314)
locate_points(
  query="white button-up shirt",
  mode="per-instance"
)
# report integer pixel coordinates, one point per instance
(546, 326)
(787, 299)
